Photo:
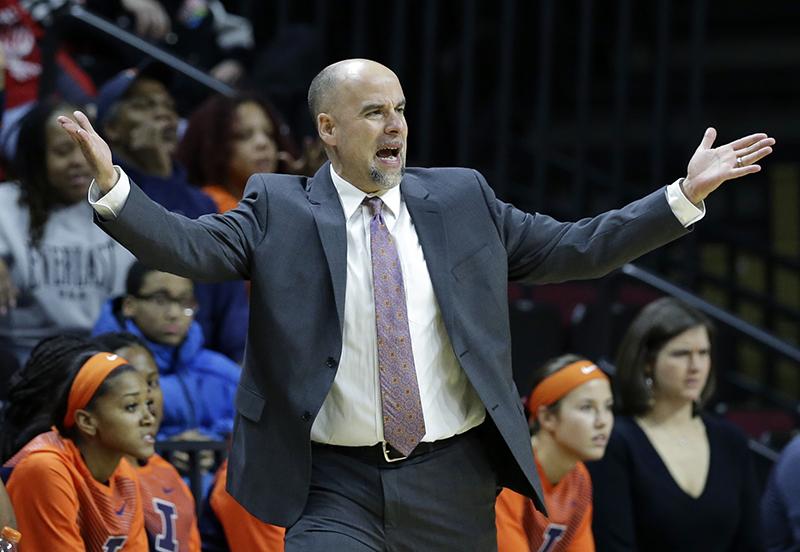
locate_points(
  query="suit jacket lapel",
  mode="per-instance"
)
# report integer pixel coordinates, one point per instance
(427, 217)
(331, 225)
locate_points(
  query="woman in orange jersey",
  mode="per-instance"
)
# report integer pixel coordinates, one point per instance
(69, 486)
(169, 507)
(571, 418)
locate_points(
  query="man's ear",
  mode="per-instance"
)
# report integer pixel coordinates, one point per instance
(127, 306)
(547, 418)
(86, 422)
(326, 128)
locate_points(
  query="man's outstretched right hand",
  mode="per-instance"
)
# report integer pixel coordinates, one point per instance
(95, 150)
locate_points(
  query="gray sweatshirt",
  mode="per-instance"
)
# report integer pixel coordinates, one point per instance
(65, 280)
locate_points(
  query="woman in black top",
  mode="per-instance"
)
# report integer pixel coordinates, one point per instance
(673, 478)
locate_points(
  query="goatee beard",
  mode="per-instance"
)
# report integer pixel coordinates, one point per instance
(386, 181)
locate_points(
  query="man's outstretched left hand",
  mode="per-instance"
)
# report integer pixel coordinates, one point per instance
(710, 167)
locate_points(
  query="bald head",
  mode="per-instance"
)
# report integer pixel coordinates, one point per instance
(359, 110)
(322, 93)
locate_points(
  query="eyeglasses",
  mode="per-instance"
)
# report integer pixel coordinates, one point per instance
(163, 301)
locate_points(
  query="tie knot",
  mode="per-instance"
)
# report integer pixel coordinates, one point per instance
(375, 205)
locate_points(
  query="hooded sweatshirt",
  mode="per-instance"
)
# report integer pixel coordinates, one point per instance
(198, 384)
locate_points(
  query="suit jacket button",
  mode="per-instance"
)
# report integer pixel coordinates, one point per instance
(331, 363)
(306, 416)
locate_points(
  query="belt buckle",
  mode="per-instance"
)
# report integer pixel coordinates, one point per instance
(385, 448)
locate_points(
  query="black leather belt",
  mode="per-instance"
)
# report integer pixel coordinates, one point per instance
(384, 454)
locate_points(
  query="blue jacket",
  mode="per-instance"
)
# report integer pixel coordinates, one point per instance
(199, 385)
(223, 309)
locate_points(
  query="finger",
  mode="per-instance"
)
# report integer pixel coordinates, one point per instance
(766, 142)
(163, 23)
(747, 141)
(739, 172)
(68, 124)
(84, 122)
(142, 24)
(708, 138)
(756, 156)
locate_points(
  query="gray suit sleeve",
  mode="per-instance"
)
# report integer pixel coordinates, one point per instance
(211, 248)
(543, 250)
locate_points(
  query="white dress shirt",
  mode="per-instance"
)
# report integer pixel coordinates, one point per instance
(351, 413)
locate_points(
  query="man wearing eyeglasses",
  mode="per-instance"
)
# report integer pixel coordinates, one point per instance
(198, 384)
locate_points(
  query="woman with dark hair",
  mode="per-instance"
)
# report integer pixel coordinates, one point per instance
(56, 267)
(229, 139)
(570, 414)
(69, 486)
(169, 507)
(33, 391)
(674, 477)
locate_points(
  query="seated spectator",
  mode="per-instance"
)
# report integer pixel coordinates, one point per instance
(136, 112)
(229, 139)
(673, 477)
(780, 505)
(31, 393)
(227, 526)
(70, 488)
(198, 384)
(571, 419)
(57, 268)
(169, 507)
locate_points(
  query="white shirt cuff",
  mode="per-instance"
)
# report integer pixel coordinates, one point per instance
(684, 210)
(111, 204)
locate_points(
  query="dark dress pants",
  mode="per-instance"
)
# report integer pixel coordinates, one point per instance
(438, 501)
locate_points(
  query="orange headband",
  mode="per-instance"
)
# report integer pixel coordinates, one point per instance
(556, 385)
(89, 378)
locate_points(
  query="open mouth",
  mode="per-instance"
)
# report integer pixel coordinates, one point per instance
(149, 438)
(389, 154)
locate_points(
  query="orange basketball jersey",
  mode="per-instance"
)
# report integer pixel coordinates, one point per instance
(61, 507)
(521, 528)
(243, 531)
(169, 512)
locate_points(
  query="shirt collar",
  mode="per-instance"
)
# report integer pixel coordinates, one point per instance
(351, 197)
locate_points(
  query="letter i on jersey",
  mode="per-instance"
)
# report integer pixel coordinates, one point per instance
(165, 541)
(552, 534)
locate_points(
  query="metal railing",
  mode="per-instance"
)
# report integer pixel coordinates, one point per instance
(108, 31)
(194, 469)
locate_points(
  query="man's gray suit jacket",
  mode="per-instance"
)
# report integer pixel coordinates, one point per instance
(287, 236)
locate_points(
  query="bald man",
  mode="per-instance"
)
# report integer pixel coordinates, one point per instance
(376, 409)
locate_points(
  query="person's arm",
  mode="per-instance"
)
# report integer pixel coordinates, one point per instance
(511, 536)
(46, 504)
(542, 250)
(7, 518)
(211, 248)
(613, 510)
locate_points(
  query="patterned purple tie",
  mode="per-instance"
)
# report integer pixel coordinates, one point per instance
(403, 424)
